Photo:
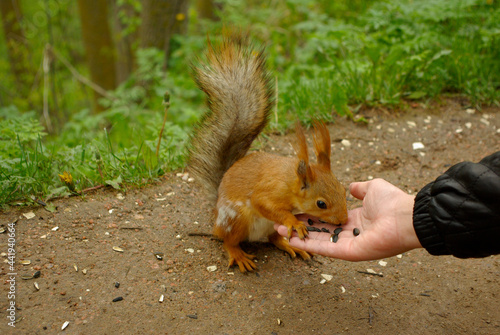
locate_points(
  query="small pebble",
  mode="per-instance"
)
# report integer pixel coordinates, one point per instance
(117, 284)
(327, 276)
(355, 231)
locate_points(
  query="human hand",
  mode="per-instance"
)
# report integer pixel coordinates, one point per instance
(385, 222)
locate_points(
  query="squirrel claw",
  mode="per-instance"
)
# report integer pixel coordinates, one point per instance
(241, 258)
(301, 230)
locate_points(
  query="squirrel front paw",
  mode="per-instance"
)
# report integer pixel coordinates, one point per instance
(299, 227)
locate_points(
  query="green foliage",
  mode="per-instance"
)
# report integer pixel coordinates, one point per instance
(327, 57)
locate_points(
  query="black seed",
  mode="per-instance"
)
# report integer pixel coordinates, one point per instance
(337, 231)
(356, 231)
(309, 228)
(117, 284)
(334, 238)
(317, 229)
(310, 221)
(117, 299)
(325, 230)
(37, 274)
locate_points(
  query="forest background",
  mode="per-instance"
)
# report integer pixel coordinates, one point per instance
(84, 82)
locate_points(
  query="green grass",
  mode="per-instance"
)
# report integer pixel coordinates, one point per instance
(328, 57)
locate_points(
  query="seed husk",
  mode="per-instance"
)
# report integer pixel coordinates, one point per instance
(334, 238)
(25, 262)
(355, 231)
(65, 324)
(117, 299)
(337, 230)
(158, 255)
(75, 267)
(37, 274)
(118, 249)
(36, 286)
(161, 298)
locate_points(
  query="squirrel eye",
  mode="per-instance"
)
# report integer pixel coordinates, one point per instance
(321, 204)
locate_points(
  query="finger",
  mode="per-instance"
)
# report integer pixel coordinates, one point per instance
(341, 250)
(359, 189)
(283, 231)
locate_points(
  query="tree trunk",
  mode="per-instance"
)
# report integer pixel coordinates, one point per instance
(160, 19)
(125, 35)
(206, 9)
(98, 45)
(16, 44)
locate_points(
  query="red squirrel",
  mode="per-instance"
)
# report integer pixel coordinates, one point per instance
(252, 192)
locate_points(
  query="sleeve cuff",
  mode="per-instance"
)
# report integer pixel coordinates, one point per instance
(427, 232)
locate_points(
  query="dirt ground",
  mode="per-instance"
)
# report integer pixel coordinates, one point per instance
(414, 293)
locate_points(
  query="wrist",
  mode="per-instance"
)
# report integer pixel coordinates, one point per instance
(409, 238)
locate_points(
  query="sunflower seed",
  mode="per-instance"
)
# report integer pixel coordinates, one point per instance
(36, 286)
(117, 284)
(337, 230)
(324, 230)
(334, 238)
(37, 274)
(355, 231)
(65, 324)
(117, 299)
(310, 221)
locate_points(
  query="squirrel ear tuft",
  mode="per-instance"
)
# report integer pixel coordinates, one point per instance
(322, 145)
(302, 174)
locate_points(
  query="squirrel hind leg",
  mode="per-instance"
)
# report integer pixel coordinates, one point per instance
(241, 258)
(281, 243)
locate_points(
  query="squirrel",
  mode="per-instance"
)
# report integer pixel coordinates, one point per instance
(252, 192)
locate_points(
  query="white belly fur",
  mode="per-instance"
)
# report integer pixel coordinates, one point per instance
(260, 229)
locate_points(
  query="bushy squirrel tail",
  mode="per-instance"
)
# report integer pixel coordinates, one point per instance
(239, 91)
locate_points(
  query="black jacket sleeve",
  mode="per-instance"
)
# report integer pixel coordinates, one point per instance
(459, 213)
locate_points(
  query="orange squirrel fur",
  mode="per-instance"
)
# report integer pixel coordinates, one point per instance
(252, 192)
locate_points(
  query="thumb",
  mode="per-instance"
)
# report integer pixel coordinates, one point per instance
(359, 189)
